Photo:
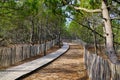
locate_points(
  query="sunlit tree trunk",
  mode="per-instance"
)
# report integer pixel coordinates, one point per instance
(109, 35)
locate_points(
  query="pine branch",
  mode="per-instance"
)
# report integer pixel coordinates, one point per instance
(87, 27)
(88, 10)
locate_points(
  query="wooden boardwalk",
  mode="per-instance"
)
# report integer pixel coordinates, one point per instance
(70, 66)
(21, 70)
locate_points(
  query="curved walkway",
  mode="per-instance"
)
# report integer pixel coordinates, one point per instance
(69, 66)
(18, 71)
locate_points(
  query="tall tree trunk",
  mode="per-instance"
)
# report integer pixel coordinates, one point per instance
(59, 35)
(40, 34)
(59, 41)
(44, 41)
(95, 40)
(37, 33)
(109, 35)
(33, 33)
(45, 34)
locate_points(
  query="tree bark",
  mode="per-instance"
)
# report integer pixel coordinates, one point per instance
(110, 50)
(33, 33)
(87, 10)
(109, 35)
(95, 40)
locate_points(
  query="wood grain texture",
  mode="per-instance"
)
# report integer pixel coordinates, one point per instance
(12, 55)
(99, 68)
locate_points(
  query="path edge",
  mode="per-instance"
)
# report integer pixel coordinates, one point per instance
(41, 67)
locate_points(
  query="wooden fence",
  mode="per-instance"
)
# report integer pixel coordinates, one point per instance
(99, 68)
(12, 55)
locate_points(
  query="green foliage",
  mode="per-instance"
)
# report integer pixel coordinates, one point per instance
(80, 32)
(30, 20)
(116, 30)
(90, 4)
(46, 19)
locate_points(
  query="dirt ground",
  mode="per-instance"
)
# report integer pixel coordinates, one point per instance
(69, 66)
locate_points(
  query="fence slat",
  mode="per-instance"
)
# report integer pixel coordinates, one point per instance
(9, 56)
(99, 68)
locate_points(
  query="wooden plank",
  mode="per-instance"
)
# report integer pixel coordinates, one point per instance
(18, 71)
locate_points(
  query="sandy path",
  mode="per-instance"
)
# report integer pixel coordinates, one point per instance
(69, 66)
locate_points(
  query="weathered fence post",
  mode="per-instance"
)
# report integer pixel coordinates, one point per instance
(14, 54)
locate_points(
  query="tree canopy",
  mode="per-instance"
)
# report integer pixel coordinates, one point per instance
(37, 21)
